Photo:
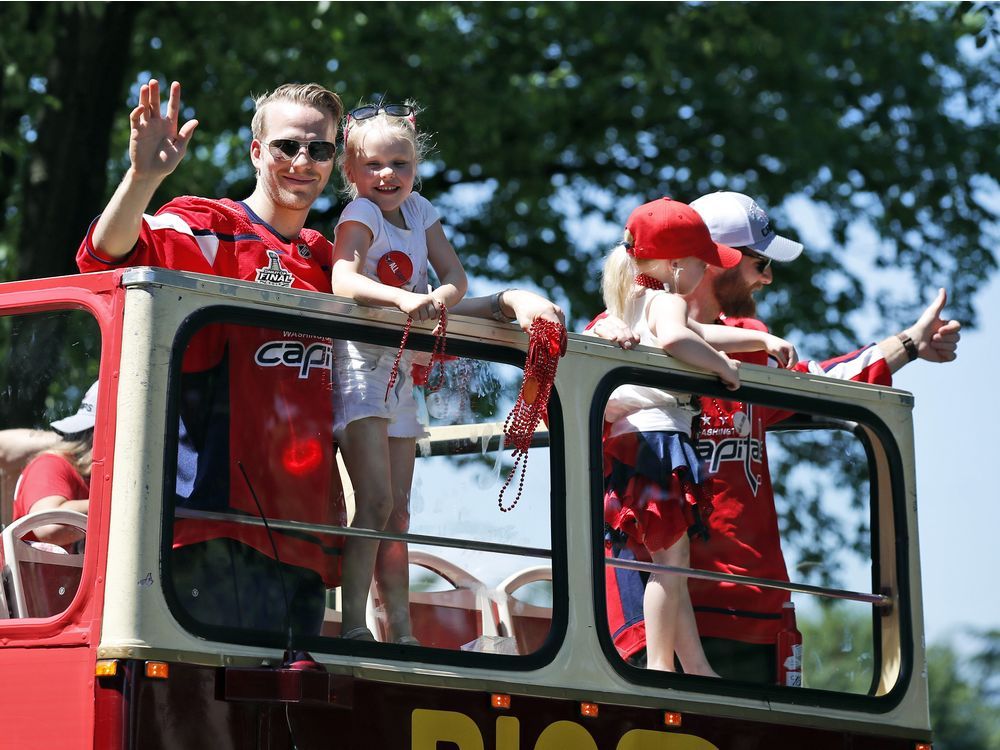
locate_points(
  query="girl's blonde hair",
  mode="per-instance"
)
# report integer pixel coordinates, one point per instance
(79, 452)
(391, 128)
(618, 277)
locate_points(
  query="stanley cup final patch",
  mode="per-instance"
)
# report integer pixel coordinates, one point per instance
(274, 274)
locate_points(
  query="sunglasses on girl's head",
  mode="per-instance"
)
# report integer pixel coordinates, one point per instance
(283, 149)
(762, 263)
(368, 111)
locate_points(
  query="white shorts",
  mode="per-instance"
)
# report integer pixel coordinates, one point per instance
(361, 374)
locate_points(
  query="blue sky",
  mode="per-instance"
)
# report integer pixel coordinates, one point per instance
(955, 420)
(958, 511)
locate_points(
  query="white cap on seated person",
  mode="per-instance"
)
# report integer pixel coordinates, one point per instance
(736, 220)
(84, 418)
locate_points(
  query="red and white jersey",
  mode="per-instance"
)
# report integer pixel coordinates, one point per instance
(222, 238)
(743, 528)
(251, 397)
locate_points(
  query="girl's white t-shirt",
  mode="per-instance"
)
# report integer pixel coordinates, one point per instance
(640, 408)
(419, 215)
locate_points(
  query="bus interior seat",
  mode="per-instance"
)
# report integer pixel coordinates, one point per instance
(444, 619)
(42, 578)
(527, 623)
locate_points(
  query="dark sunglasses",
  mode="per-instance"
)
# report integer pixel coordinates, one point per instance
(762, 263)
(283, 149)
(368, 111)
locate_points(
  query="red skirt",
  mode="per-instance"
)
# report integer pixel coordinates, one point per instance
(656, 489)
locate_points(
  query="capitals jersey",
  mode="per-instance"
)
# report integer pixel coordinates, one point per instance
(743, 529)
(255, 404)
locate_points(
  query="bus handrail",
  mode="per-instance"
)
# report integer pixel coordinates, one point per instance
(318, 528)
(879, 600)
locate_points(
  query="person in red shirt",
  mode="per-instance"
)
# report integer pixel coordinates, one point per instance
(738, 625)
(59, 477)
(255, 409)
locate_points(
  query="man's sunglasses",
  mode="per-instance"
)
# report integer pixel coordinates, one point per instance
(283, 149)
(762, 263)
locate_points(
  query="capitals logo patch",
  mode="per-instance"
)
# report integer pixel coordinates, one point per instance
(274, 274)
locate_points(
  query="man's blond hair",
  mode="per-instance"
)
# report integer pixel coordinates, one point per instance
(306, 94)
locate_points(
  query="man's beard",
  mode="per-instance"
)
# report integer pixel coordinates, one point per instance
(734, 294)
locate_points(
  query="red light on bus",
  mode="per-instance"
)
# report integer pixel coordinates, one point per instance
(498, 700)
(671, 718)
(106, 668)
(589, 710)
(923, 746)
(157, 670)
(302, 456)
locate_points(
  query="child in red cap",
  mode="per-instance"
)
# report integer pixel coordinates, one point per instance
(655, 486)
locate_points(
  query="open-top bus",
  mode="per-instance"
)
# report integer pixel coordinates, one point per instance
(97, 649)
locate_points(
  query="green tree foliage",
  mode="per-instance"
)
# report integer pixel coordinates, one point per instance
(964, 694)
(963, 683)
(550, 119)
(837, 651)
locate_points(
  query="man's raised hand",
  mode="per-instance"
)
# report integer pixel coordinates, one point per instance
(936, 339)
(156, 144)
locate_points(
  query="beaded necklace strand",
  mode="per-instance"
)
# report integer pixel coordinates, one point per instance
(437, 352)
(545, 345)
(644, 279)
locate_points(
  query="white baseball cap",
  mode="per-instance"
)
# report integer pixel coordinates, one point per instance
(84, 418)
(736, 220)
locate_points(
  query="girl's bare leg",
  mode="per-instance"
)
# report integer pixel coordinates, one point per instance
(392, 567)
(660, 607)
(687, 644)
(365, 447)
(672, 628)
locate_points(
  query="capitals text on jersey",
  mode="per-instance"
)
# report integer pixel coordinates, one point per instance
(298, 354)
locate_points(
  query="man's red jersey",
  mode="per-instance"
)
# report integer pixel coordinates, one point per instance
(743, 529)
(252, 397)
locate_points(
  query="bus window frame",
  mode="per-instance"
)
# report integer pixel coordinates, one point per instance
(796, 403)
(362, 329)
(859, 432)
(84, 611)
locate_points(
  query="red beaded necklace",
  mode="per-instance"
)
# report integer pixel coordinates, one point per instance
(546, 343)
(643, 279)
(437, 352)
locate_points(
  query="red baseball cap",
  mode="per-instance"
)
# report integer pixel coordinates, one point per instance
(669, 229)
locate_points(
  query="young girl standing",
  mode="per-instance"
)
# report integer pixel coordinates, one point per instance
(384, 241)
(654, 482)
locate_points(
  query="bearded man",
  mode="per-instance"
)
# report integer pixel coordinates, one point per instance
(738, 624)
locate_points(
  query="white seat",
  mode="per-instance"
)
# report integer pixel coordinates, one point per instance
(528, 624)
(43, 578)
(443, 619)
